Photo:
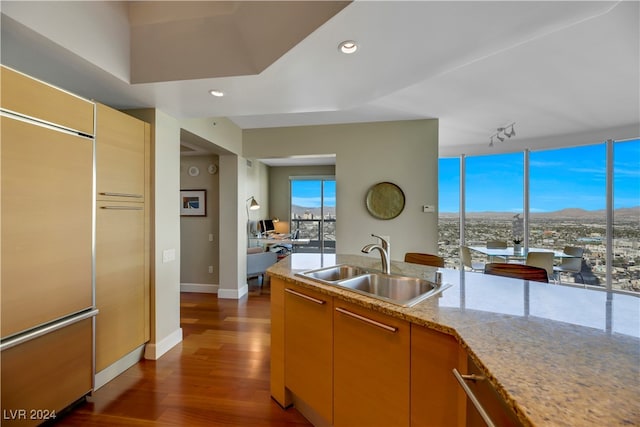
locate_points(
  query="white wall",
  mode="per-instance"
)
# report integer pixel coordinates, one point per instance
(402, 152)
(165, 276)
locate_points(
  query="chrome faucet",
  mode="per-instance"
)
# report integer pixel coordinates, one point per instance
(385, 252)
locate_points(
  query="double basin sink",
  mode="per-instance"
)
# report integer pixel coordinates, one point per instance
(397, 289)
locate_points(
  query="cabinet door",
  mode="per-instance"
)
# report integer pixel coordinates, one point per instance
(30, 97)
(279, 393)
(309, 348)
(47, 204)
(120, 155)
(371, 368)
(45, 375)
(121, 281)
(436, 398)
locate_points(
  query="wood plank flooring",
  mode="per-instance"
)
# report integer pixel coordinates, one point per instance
(218, 375)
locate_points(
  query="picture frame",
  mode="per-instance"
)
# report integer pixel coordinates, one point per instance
(193, 202)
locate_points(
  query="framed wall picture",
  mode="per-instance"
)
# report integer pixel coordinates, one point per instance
(193, 202)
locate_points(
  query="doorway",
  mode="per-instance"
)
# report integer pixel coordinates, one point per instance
(313, 213)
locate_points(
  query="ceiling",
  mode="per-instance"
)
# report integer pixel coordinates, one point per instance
(554, 68)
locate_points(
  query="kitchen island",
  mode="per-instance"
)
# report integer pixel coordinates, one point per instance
(557, 355)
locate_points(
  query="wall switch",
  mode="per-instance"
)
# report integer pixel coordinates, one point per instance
(211, 269)
(210, 237)
(168, 255)
(428, 208)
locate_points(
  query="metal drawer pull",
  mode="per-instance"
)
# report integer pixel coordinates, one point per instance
(367, 320)
(47, 329)
(123, 208)
(307, 297)
(461, 379)
(137, 196)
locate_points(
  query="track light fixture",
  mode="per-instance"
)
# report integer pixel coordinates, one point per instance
(502, 133)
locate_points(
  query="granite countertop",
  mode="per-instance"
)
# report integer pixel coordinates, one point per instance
(559, 355)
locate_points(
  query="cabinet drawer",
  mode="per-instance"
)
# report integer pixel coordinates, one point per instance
(27, 96)
(46, 374)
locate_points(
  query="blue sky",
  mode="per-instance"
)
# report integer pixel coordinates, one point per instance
(559, 179)
(308, 193)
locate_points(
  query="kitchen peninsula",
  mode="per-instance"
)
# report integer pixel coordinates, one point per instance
(556, 355)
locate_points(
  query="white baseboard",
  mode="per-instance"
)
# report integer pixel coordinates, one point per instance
(233, 293)
(118, 367)
(206, 288)
(155, 351)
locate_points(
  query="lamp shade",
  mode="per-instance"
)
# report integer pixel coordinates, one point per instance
(253, 205)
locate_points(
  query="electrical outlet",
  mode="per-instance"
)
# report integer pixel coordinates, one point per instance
(211, 269)
(210, 237)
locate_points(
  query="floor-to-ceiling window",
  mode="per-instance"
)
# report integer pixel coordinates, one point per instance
(313, 213)
(449, 209)
(567, 205)
(493, 198)
(626, 217)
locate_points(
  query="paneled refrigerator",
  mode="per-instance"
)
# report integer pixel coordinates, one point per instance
(47, 302)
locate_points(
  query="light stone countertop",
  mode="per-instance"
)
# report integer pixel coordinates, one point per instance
(559, 355)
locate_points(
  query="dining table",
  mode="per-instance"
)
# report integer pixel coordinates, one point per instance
(510, 253)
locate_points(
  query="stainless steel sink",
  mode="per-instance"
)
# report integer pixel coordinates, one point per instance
(402, 290)
(335, 273)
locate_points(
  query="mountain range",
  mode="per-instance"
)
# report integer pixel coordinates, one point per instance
(572, 213)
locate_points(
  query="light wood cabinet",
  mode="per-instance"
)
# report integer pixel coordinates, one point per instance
(279, 391)
(38, 100)
(46, 203)
(122, 234)
(121, 291)
(121, 155)
(43, 376)
(494, 405)
(309, 348)
(436, 398)
(371, 368)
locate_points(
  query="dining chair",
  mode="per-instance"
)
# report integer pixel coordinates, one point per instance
(570, 265)
(518, 271)
(465, 256)
(424, 259)
(542, 260)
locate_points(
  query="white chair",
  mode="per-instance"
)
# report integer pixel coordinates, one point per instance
(571, 265)
(465, 256)
(542, 260)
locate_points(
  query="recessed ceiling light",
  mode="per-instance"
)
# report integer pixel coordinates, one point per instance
(348, 46)
(216, 92)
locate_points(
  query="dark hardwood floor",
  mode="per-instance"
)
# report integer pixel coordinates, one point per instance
(217, 376)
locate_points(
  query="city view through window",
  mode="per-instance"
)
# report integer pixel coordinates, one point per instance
(567, 206)
(313, 213)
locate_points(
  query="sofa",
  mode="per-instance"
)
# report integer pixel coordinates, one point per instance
(258, 261)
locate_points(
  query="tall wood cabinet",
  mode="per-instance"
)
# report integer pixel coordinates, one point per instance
(122, 234)
(46, 285)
